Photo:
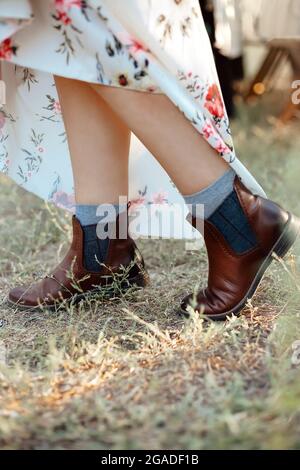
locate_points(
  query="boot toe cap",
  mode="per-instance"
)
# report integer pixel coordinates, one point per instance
(21, 296)
(189, 302)
(201, 304)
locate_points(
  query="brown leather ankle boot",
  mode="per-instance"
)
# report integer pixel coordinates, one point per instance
(70, 281)
(233, 278)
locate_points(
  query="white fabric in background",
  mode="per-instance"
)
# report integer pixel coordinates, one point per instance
(228, 27)
(270, 19)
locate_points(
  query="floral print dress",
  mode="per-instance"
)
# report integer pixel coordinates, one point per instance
(152, 46)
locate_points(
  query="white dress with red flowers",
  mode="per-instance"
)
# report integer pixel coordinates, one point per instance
(149, 45)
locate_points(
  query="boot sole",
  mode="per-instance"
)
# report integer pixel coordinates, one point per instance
(281, 248)
(138, 282)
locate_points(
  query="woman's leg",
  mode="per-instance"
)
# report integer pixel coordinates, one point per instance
(199, 172)
(189, 160)
(98, 141)
(99, 146)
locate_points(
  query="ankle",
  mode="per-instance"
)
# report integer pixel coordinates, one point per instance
(99, 224)
(204, 203)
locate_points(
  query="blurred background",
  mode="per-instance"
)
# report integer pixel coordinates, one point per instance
(256, 45)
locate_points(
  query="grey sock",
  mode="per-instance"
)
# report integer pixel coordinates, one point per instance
(87, 213)
(212, 196)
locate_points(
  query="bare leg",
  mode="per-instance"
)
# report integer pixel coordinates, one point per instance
(189, 160)
(98, 142)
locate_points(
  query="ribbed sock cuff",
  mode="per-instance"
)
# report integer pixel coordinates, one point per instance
(88, 214)
(212, 196)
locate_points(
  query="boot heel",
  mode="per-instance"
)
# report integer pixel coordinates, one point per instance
(288, 237)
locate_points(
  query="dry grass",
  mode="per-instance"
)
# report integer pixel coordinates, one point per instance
(134, 375)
